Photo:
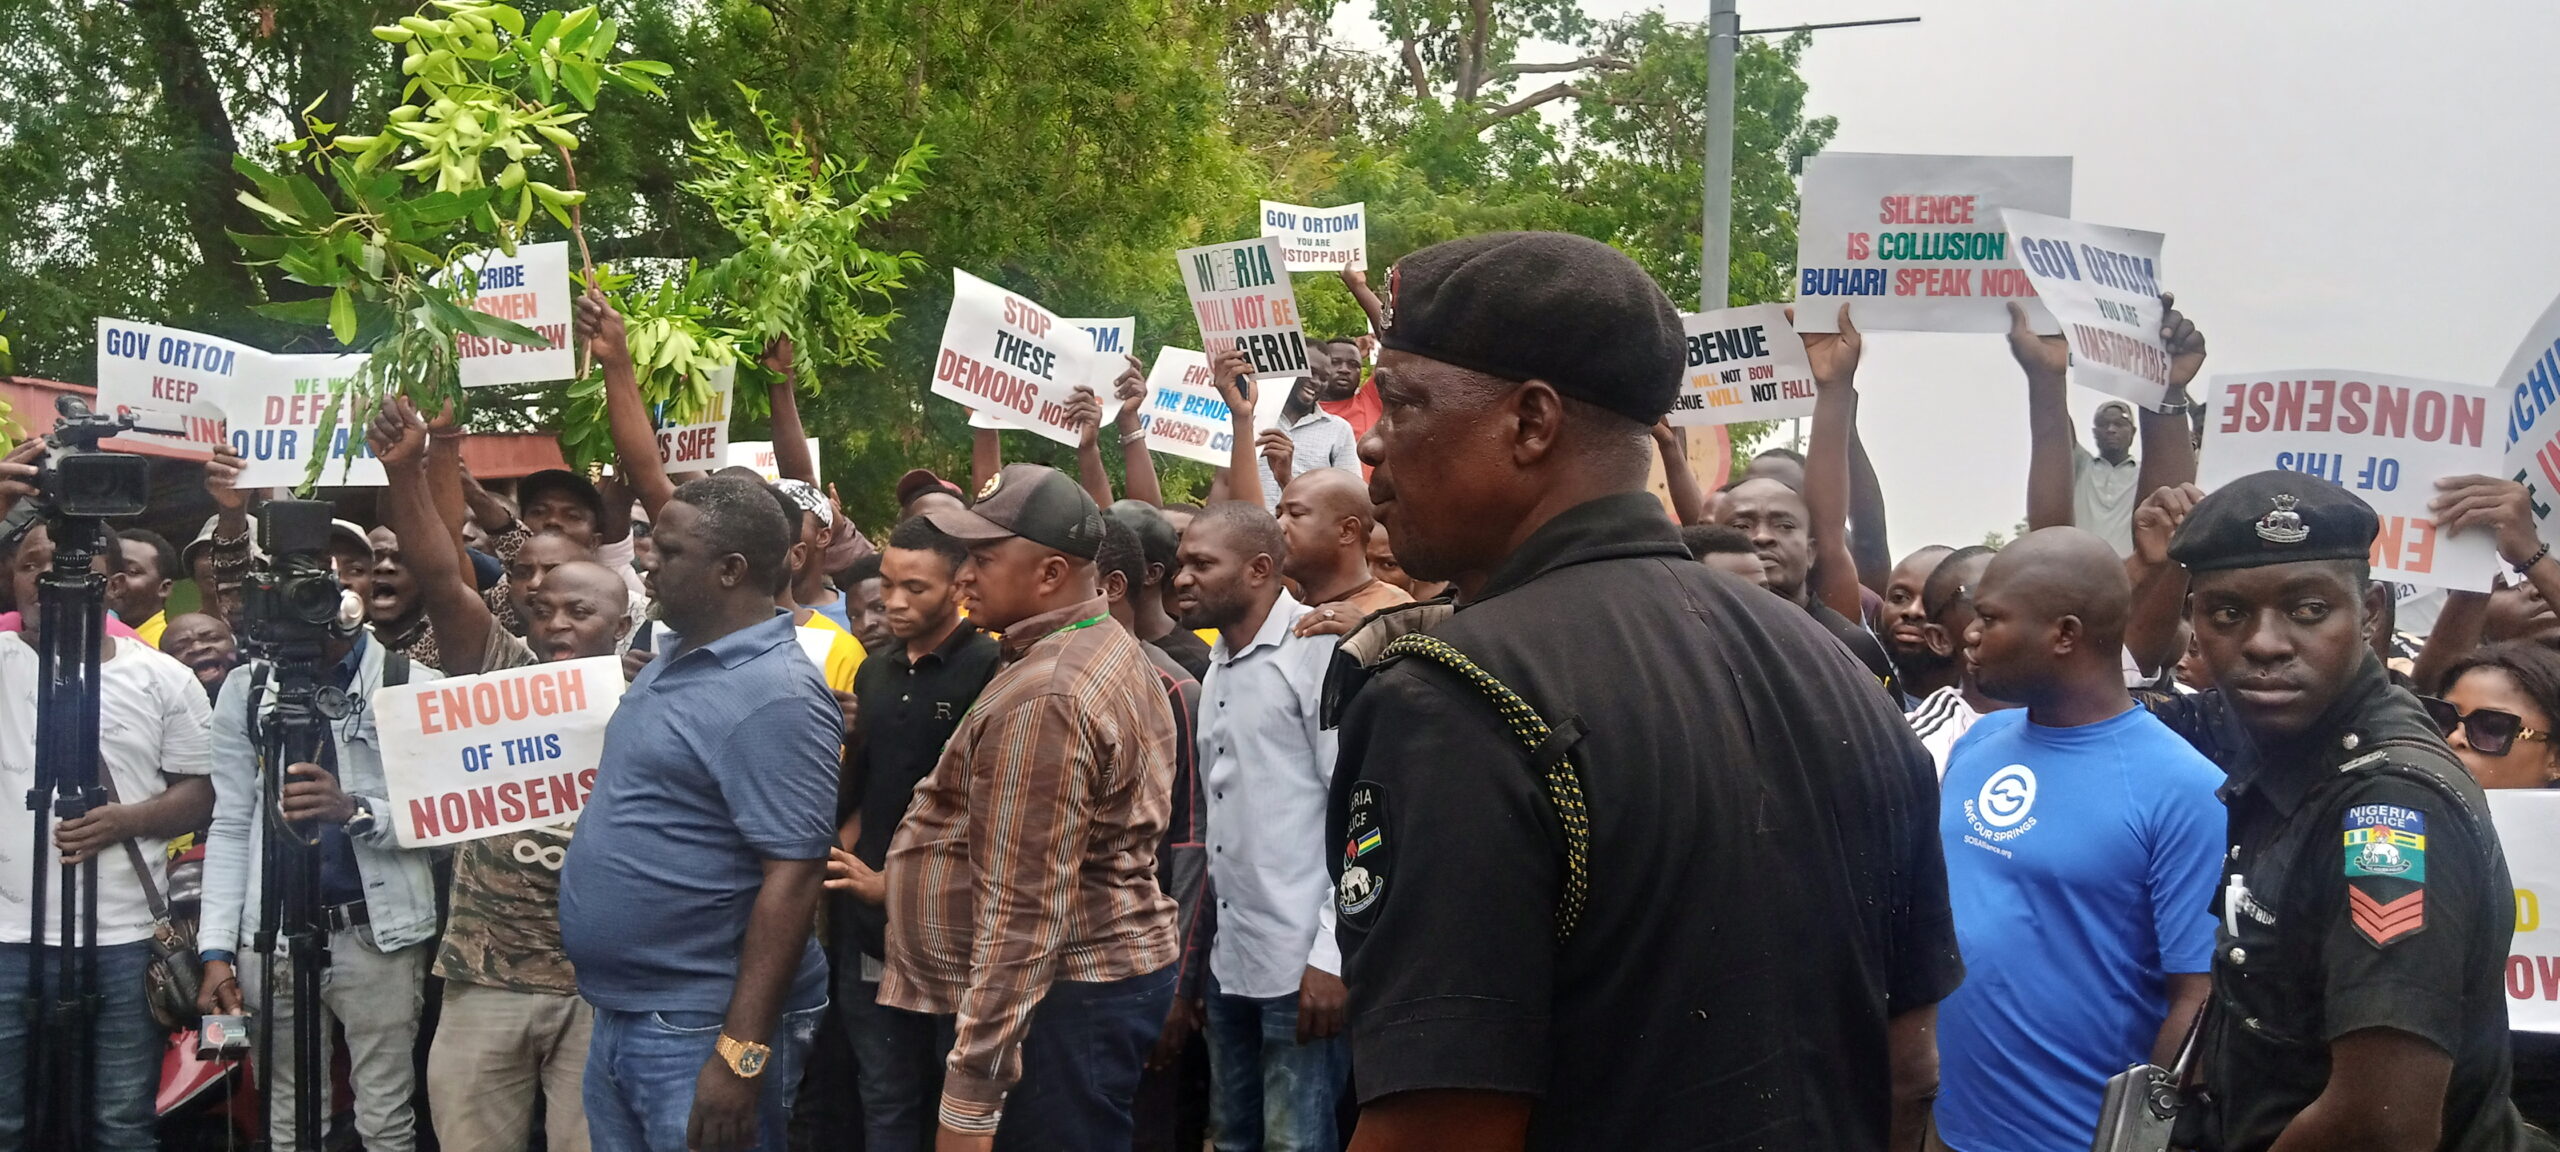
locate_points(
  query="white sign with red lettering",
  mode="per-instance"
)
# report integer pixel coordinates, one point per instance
(2387, 439)
(1744, 364)
(471, 757)
(2103, 285)
(174, 380)
(1004, 354)
(1318, 239)
(1915, 243)
(703, 445)
(1241, 296)
(2529, 399)
(2525, 818)
(532, 289)
(758, 455)
(1110, 341)
(276, 413)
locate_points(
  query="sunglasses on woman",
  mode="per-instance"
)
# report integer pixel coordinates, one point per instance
(2490, 731)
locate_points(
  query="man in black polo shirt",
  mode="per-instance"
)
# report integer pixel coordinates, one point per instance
(1714, 908)
(1780, 526)
(908, 696)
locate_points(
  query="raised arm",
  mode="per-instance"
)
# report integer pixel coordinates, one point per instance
(2505, 509)
(1137, 464)
(790, 441)
(2159, 583)
(1358, 282)
(2051, 442)
(460, 617)
(2168, 442)
(1869, 543)
(1085, 410)
(1826, 462)
(986, 456)
(1232, 372)
(1688, 498)
(633, 439)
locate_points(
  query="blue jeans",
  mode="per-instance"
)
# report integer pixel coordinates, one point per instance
(127, 1056)
(898, 1059)
(1080, 1064)
(642, 1066)
(1269, 1093)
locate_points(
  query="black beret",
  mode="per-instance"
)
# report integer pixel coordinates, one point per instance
(1549, 306)
(2274, 518)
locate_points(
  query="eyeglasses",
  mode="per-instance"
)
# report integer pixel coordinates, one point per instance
(2490, 731)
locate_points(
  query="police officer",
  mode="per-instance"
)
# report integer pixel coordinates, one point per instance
(2366, 911)
(1631, 854)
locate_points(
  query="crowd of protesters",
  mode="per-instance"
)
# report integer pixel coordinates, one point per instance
(1428, 785)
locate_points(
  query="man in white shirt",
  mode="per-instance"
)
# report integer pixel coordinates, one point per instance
(1278, 1062)
(2105, 485)
(152, 760)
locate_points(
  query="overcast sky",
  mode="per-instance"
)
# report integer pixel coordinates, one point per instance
(2344, 184)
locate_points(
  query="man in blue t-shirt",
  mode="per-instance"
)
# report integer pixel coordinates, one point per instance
(687, 899)
(2082, 841)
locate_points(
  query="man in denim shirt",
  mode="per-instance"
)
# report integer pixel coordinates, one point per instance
(377, 898)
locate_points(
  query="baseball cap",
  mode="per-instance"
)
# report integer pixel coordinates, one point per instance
(350, 533)
(1033, 501)
(922, 480)
(578, 487)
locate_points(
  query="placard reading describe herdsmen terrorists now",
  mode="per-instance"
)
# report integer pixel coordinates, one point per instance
(1744, 364)
(1185, 415)
(276, 410)
(1006, 354)
(1240, 293)
(532, 289)
(2387, 439)
(176, 381)
(2525, 818)
(1318, 239)
(704, 444)
(1915, 243)
(2529, 390)
(475, 756)
(2103, 285)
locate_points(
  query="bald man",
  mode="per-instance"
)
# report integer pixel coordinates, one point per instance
(1326, 517)
(2083, 840)
(1902, 623)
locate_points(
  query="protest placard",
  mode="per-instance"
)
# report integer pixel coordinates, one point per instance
(1744, 364)
(1915, 243)
(1185, 415)
(703, 445)
(2387, 439)
(2525, 818)
(1241, 296)
(2102, 285)
(2530, 391)
(475, 756)
(532, 289)
(758, 455)
(1005, 354)
(275, 414)
(176, 381)
(1111, 340)
(1318, 239)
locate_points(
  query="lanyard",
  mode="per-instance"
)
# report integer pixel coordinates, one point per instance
(1079, 624)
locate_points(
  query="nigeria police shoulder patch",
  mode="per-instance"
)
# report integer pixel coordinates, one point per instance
(2386, 871)
(1365, 854)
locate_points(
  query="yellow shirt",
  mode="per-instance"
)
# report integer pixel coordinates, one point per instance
(837, 653)
(151, 629)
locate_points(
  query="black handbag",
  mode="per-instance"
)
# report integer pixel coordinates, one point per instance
(170, 981)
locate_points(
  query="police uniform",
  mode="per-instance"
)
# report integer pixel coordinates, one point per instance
(2364, 886)
(1681, 917)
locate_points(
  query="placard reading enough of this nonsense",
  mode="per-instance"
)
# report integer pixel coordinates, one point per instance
(470, 757)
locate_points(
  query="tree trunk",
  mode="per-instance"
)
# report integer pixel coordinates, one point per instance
(195, 107)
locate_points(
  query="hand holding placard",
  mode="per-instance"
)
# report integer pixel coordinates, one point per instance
(2045, 358)
(1834, 355)
(2186, 345)
(1232, 371)
(2501, 507)
(2156, 522)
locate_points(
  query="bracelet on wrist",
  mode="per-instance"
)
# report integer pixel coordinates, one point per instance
(2539, 555)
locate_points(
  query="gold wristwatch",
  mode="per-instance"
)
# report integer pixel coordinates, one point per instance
(747, 1060)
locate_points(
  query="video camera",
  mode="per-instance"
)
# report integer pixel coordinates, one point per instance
(81, 479)
(293, 602)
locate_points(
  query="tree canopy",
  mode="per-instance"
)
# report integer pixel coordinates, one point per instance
(1077, 144)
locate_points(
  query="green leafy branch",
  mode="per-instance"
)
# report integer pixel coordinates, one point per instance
(801, 271)
(676, 343)
(427, 192)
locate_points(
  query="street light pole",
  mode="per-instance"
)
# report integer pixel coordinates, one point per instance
(1715, 255)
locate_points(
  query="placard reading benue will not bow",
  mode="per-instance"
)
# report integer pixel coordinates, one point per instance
(530, 288)
(1915, 243)
(2387, 439)
(1004, 353)
(475, 756)
(1744, 364)
(1241, 296)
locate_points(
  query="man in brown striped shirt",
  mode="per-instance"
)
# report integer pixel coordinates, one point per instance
(1022, 892)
